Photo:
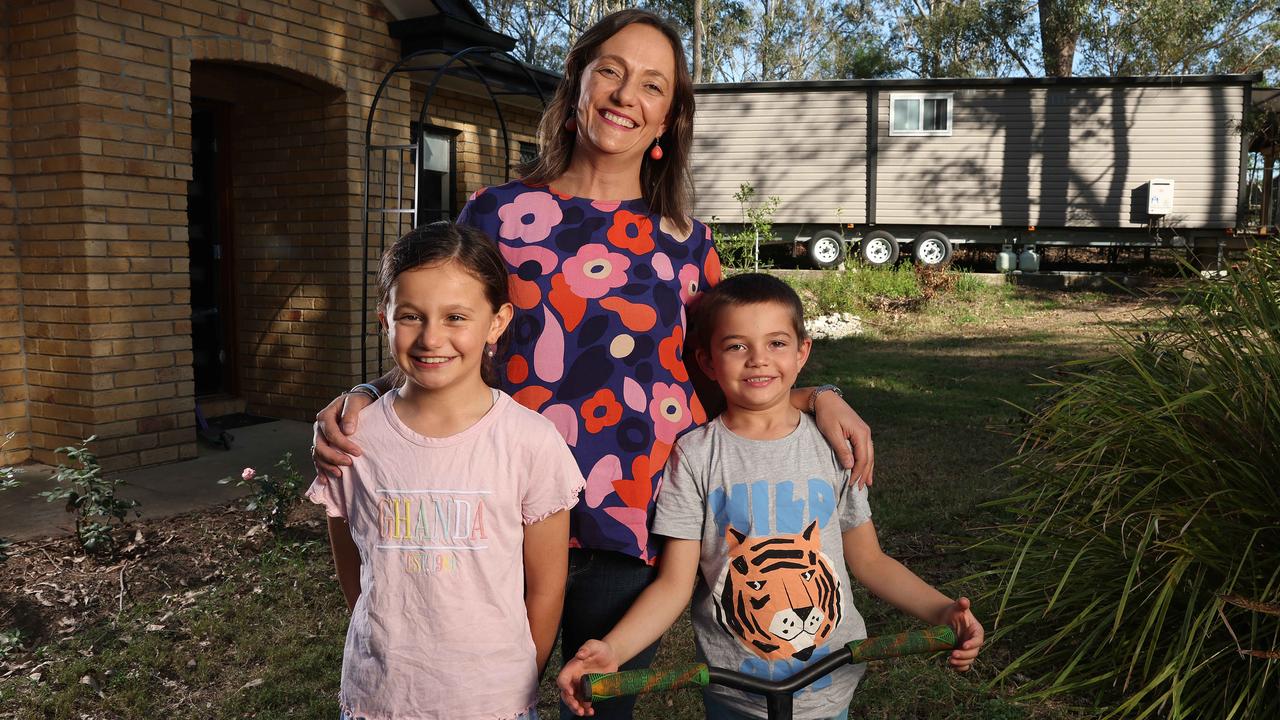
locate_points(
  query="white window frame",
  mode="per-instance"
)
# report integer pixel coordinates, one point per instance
(893, 104)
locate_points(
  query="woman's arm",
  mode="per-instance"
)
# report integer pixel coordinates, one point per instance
(346, 558)
(546, 568)
(330, 448)
(841, 427)
(892, 582)
(650, 616)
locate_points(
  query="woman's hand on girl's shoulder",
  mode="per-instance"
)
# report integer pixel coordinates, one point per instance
(331, 448)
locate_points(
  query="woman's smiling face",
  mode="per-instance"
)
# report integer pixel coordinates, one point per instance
(625, 94)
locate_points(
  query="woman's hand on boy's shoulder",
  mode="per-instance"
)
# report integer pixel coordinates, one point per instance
(969, 634)
(848, 435)
(595, 656)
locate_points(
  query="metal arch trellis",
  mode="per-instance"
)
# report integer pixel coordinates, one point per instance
(400, 216)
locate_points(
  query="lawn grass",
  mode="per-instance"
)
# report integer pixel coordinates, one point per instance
(941, 392)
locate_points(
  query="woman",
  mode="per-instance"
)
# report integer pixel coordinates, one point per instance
(603, 258)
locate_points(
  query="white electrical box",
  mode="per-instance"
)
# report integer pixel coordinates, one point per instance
(1159, 197)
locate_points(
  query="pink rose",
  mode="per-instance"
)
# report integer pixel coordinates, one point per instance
(248, 474)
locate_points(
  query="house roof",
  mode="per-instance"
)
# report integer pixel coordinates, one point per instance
(906, 83)
(406, 9)
(437, 29)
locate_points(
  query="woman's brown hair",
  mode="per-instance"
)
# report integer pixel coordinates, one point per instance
(665, 183)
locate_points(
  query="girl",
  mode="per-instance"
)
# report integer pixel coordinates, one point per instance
(450, 532)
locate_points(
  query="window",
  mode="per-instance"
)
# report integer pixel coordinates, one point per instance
(920, 114)
(528, 152)
(434, 192)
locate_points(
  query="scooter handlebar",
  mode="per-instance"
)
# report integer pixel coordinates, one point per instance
(605, 686)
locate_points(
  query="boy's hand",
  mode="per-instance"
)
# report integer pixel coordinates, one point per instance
(595, 656)
(969, 634)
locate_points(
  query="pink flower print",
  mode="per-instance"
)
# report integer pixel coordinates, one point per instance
(688, 283)
(529, 217)
(670, 411)
(594, 271)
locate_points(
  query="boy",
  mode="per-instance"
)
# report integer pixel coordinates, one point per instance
(757, 507)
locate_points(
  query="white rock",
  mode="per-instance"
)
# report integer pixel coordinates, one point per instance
(833, 327)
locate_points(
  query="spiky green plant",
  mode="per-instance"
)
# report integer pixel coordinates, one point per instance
(1140, 557)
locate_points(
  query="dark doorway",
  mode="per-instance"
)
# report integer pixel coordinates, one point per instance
(209, 233)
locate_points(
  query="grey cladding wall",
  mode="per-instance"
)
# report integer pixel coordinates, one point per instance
(1051, 156)
(1067, 157)
(808, 147)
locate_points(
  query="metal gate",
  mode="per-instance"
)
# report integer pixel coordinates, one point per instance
(391, 169)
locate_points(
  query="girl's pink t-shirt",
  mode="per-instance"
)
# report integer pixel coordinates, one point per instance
(440, 629)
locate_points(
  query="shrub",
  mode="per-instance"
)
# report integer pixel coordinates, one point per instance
(856, 290)
(1139, 553)
(91, 497)
(272, 497)
(8, 481)
(738, 249)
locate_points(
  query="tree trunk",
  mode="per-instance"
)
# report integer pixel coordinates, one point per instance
(1060, 22)
(697, 41)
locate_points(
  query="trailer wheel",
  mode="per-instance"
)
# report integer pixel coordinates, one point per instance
(933, 249)
(826, 249)
(879, 249)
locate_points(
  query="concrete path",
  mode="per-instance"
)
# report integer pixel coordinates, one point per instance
(163, 490)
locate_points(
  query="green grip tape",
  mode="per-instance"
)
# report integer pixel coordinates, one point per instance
(605, 686)
(914, 642)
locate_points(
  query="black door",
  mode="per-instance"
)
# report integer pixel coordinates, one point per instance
(208, 229)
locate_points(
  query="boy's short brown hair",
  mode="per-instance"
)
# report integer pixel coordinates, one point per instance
(745, 289)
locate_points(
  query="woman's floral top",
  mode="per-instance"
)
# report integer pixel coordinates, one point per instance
(597, 341)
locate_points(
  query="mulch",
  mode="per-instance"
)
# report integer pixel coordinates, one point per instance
(50, 590)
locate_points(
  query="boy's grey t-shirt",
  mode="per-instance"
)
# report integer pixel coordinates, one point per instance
(773, 591)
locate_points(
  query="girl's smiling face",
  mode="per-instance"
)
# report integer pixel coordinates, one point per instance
(624, 98)
(438, 322)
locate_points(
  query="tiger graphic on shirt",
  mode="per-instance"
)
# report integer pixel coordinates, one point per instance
(779, 594)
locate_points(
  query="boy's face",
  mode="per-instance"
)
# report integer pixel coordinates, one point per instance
(754, 355)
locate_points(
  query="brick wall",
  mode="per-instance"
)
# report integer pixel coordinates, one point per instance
(95, 153)
(13, 381)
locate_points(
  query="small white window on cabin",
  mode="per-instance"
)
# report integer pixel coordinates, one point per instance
(920, 113)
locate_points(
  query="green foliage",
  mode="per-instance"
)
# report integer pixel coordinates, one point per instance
(272, 497)
(10, 641)
(1150, 37)
(855, 289)
(91, 497)
(738, 249)
(8, 481)
(1139, 553)
(967, 285)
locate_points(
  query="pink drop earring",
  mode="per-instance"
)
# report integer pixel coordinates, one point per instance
(655, 152)
(571, 125)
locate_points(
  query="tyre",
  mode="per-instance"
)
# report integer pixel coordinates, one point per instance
(879, 249)
(933, 249)
(826, 249)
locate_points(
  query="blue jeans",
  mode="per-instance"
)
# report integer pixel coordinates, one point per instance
(601, 587)
(717, 710)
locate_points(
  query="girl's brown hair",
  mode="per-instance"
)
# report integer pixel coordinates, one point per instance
(665, 183)
(441, 242)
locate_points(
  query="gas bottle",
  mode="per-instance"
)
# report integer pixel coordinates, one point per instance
(1029, 260)
(1006, 260)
